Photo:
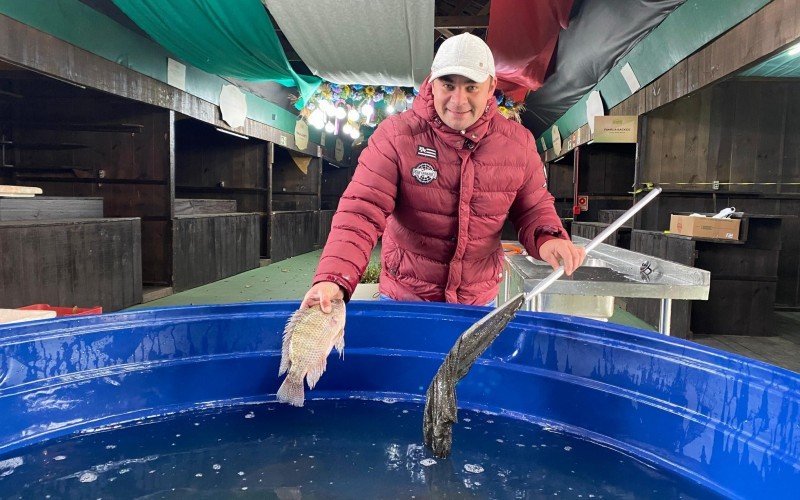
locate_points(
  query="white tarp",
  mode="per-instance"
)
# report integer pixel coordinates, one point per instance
(379, 42)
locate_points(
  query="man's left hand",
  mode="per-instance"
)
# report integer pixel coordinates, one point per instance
(558, 251)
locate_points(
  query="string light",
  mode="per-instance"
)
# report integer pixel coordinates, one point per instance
(346, 109)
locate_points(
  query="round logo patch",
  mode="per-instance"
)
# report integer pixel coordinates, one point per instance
(424, 173)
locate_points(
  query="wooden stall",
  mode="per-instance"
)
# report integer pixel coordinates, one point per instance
(744, 276)
(78, 142)
(296, 199)
(604, 175)
(736, 144)
(335, 178)
(213, 246)
(71, 262)
(221, 217)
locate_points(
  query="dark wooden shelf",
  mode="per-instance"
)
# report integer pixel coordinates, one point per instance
(53, 168)
(43, 146)
(90, 180)
(130, 128)
(5, 93)
(217, 189)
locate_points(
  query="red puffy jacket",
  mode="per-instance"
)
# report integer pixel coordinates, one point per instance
(440, 198)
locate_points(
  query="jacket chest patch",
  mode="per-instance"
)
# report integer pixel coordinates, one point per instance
(428, 152)
(424, 173)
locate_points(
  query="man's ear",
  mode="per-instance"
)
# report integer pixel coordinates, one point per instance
(493, 85)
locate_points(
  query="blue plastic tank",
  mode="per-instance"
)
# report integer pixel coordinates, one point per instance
(726, 422)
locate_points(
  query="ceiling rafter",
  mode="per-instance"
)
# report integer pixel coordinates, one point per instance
(460, 22)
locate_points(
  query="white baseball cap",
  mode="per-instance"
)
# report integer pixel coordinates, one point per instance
(465, 55)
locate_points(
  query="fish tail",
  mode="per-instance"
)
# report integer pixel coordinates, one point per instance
(291, 392)
(339, 345)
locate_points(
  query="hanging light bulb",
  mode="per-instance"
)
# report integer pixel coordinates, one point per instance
(353, 115)
(329, 128)
(355, 134)
(340, 113)
(390, 109)
(347, 128)
(367, 110)
(317, 119)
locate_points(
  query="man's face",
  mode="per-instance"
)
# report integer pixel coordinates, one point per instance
(459, 101)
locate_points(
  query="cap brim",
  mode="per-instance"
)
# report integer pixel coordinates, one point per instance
(473, 74)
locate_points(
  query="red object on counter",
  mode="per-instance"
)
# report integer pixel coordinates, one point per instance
(64, 311)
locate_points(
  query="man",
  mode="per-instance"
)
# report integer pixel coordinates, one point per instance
(438, 182)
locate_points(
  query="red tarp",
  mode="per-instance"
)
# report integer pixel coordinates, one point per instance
(523, 36)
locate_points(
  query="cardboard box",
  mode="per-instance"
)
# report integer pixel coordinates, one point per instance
(705, 227)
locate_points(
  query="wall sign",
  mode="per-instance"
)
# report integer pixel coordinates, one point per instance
(620, 129)
(339, 150)
(301, 134)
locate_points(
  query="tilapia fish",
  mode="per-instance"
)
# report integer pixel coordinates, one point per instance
(308, 339)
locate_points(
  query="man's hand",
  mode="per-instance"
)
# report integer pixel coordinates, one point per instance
(558, 251)
(322, 293)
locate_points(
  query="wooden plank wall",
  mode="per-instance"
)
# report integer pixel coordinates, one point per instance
(773, 28)
(291, 188)
(208, 248)
(559, 183)
(293, 233)
(50, 208)
(210, 164)
(606, 176)
(200, 206)
(589, 230)
(744, 134)
(82, 263)
(678, 250)
(334, 182)
(82, 143)
(325, 221)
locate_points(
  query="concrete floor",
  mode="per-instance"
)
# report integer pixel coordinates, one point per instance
(290, 279)
(781, 350)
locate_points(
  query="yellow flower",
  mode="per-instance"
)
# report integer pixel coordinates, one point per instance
(369, 91)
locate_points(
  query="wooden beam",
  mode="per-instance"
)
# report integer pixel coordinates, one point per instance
(446, 32)
(742, 46)
(458, 7)
(461, 22)
(25, 46)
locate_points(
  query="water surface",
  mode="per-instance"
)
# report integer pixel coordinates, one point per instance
(329, 449)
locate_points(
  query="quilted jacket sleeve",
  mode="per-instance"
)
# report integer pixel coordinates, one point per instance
(361, 216)
(533, 212)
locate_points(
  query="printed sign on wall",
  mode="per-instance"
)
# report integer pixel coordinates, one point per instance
(620, 129)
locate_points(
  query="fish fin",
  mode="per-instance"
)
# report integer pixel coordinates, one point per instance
(339, 345)
(315, 372)
(291, 392)
(286, 347)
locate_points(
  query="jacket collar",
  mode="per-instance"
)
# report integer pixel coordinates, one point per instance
(423, 107)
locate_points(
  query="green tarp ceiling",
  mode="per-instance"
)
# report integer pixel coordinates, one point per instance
(234, 39)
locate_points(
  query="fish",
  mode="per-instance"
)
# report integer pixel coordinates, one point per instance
(308, 339)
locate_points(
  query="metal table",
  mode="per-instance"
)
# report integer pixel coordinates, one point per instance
(608, 272)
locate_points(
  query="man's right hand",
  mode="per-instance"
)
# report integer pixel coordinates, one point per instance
(322, 293)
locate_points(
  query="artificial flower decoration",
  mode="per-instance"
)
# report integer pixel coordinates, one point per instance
(346, 109)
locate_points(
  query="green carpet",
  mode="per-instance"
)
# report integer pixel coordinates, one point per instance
(290, 279)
